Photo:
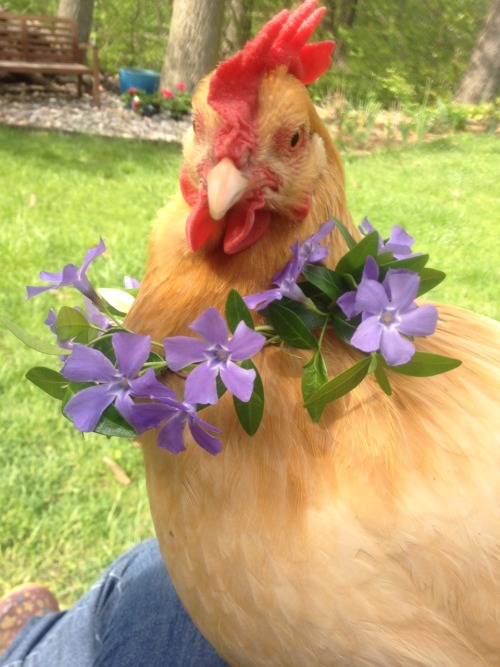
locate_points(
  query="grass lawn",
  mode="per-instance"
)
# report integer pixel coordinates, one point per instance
(65, 516)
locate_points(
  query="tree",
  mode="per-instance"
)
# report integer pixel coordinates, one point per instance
(194, 41)
(338, 19)
(481, 81)
(239, 27)
(81, 11)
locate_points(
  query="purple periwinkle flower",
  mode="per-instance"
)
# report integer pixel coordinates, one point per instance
(215, 354)
(116, 385)
(399, 242)
(389, 314)
(308, 252)
(175, 415)
(72, 276)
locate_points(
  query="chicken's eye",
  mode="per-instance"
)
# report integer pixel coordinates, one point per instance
(296, 139)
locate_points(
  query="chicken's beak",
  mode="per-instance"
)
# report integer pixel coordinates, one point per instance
(225, 186)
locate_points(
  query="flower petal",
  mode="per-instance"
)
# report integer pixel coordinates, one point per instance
(148, 386)
(245, 342)
(201, 386)
(171, 436)
(208, 442)
(180, 351)
(371, 297)
(86, 407)
(421, 321)
(398, 237)
(371, 270)
(91, 254)
(403, 287)
(132, 352)
(347, 304)
(150, 415)
(262, 299)
(395, 349)
(33, 291)
(238, 380)
(211, 326)
(124, 404)
(85, 364)
(367, 336)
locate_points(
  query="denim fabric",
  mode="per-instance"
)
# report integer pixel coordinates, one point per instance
(131, 617)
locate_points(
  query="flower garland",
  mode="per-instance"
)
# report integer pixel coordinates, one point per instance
(368, 299)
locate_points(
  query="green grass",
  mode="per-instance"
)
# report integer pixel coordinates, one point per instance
(446, 195)
(64, 514)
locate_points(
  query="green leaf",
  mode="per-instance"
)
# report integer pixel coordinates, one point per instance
(382, 379)
(70, 323)
(340, 385)
(50, 381)
(411, 263)
(345, 234)
(236, 311)
(290, 327)
(250, 413)
(429, 278)
(356, 257)
(315, 376)
(343, 327)
(329, 282)
(426, 364)
(112, 424)
(311, 319)
(32, 341)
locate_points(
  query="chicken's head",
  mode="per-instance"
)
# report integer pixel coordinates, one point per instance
(253, 156)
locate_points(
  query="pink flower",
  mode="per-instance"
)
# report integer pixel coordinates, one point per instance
(132, 91)
(181, 86)
(167, 93)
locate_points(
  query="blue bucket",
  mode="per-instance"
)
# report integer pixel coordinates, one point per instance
(144, 79)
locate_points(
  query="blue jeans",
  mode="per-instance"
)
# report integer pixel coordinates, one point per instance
(131, 617)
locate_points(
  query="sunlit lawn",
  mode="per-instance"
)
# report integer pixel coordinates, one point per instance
(64, 515)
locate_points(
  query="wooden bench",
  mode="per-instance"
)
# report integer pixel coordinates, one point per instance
(45, 45)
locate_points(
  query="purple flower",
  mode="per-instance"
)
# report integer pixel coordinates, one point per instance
(308, 252)
(215, 355)
(347, 302)
(116, 385)
(72, 276)
(389, 313)
(171, 434)
(399, 242)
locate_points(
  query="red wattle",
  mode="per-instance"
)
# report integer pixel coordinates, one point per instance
(200, 226)
(245, 226)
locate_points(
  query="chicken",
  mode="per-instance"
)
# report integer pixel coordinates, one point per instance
(373, 537)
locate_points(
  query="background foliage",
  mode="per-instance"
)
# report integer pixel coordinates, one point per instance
(407, 51)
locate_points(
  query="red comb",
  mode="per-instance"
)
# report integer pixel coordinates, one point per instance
(281, 42)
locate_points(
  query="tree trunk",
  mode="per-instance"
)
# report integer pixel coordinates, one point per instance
(239, 27)
(481, 81)
(193, 43)
(340, 15)
(81, 11)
